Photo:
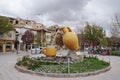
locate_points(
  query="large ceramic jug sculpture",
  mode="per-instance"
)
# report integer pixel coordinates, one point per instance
(70, 39)
(49, 51)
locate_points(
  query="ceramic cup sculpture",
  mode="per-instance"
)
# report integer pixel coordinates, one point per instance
(70, 39)
(49, 51)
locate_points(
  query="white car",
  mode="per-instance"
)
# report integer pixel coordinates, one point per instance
(86, 49)
(36, 50)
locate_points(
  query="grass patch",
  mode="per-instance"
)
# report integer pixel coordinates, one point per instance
(115, 52)
(87, 65)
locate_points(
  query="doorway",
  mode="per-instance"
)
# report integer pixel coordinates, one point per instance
(1, 47)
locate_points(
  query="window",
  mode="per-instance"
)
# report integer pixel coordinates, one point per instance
(16, 22)
(9, 35)
(11, 22)
(1, 47)
(26, 22)
(8, 46)
(48, 37)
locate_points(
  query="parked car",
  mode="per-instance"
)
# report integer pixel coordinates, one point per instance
(36, 50)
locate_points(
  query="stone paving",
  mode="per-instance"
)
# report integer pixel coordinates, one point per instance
(8, 72)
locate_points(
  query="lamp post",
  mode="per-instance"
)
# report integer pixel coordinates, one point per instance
(19, 39)
(19, 36)
(68, 65)
(41, 36)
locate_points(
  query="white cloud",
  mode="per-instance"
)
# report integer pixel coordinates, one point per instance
(101, 12)
(63, 12)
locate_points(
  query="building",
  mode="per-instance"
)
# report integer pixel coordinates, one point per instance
(52, 34)
(7, 41)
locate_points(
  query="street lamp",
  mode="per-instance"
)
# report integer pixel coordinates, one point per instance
(19, 39)
(19, 36)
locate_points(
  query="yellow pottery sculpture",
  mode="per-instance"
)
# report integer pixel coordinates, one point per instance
(49, 51)
(70, 39)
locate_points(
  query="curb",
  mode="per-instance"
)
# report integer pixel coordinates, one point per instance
(63, 75)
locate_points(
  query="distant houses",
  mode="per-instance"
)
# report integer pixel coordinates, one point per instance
(9, 41)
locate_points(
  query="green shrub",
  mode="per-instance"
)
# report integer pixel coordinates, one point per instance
(115, 52)
(19, 63)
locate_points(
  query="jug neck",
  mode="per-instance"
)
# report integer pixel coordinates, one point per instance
(66, 29)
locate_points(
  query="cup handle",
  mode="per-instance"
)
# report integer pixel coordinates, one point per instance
(44, 50)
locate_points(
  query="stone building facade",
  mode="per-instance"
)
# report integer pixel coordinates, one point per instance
(7, 41)
(20, 26)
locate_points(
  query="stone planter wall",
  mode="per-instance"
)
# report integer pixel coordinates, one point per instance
(62, 75)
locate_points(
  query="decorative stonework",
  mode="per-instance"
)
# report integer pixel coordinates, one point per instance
(63, 75)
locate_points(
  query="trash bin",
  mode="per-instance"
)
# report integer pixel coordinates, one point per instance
(37, 50)
(33, 51)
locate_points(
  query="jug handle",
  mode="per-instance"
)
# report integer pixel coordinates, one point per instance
(69, 29)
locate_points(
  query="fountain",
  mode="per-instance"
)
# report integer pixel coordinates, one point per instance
(55, 66)
(70, 40)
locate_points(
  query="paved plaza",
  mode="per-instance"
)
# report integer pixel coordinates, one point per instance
(8, 72)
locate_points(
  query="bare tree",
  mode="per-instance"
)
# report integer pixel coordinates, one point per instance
(115, 29)
(79, 30)
(28, 37)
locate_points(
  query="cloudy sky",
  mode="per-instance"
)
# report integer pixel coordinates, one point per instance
(72, 13)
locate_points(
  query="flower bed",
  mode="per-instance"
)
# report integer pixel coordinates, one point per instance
(89, 64)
